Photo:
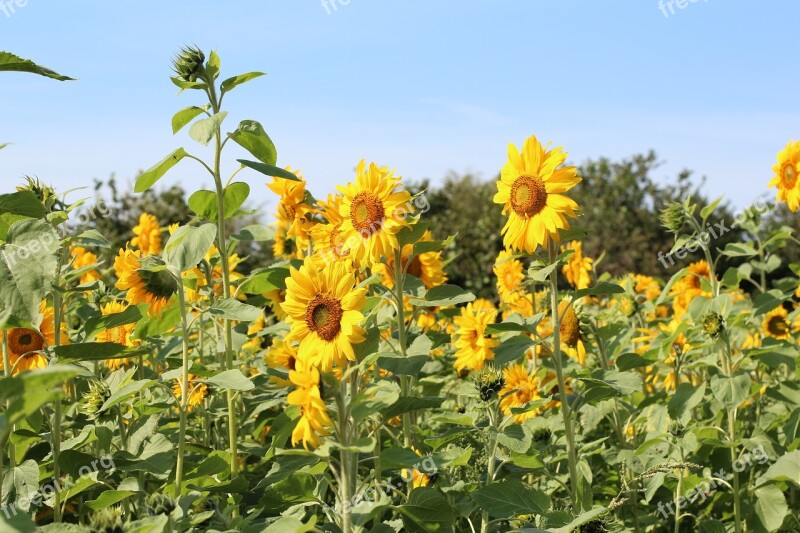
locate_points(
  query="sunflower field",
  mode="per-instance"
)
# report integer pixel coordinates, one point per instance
(347, 386)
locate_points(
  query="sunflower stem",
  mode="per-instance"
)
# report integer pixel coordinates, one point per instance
(6, 373)
(345, 458)
(405, 384)
(58, 317)
(737, 505)
(184, 383)
(566, 412)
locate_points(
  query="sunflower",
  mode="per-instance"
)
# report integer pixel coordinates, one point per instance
(256, 342)
(373, 211)
(777, 325)
(292, 216)
(275, 299)
(426, 267)
(578, 269)
(473, 347)
(520, 389)
(418, 479)
(510, 274)
(314, 420)
(787, 170)
(197, 391)
(324, 311)
(147, 235)
(143, 286)
(570, 332)
(25, 345)
(282, 356)
(82, 260)
(118, 334)
(690, 286)
(530, 189)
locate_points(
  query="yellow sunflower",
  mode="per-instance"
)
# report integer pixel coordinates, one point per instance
(578, 269)
(530, 189)
(324, 311)
(570, 332)
(690, 286)
(510, 274)
(373, 211)
(147, 235)
(777, 325)
(83, 259)
(473, 347)
(119, 334)
(197, 391)
(426, 267)
(314, 420)
(282, 355)
(142, 286)
(25, 345)
(521, 388)
(787, 170)
(292, 216)
(274, 299)
(418, 479)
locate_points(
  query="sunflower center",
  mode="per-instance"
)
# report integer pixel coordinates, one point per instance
(528, 196)
(324, 316)
(415, 267)
(367, 213)
(777, 326)
(570, 329)
(22, 341)
(789, 175)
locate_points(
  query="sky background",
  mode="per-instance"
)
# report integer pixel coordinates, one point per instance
(426, 87)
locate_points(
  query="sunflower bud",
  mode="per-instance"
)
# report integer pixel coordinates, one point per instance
(713, 324)
(673, 217)
(158, 504)
(94, 399)
(489, 383)
(108, 520)
(46, 194)
(189, 64)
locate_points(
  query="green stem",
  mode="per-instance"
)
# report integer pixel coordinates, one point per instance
(494, 416)
(184, 383)
(566, 412)
(737, 505)
(345, 457)
(58, 317)
(678, 498)
(405, 381)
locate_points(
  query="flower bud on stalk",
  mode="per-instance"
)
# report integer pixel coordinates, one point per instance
(189, 64)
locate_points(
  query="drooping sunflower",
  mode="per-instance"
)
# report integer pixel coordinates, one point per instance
(787, 170)
(292, 216)
(426, 267)
(83, 259)
(197, 391)
(119, 334)
(521, 388)
(531, 190)
(324, 311)
(578, 269)
(777, 325)
(373, 211)
(25, 345)
(570, 332)
(143, 286)
(314, 420)
(473, 346)
(147, 235)
(282, 355)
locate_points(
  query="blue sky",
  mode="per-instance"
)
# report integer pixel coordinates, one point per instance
(423, 86)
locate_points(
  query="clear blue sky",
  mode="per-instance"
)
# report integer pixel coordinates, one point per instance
(419, 85)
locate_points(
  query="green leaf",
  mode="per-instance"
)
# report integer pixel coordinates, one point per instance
(149, 178)
(605, 384)
(374, 399)
(231, 83)
(786, 468)
(213, 65)
(599, 290)
(27, 269)
(185, 116)
(403, 366)
(23, 203)
(130, 315)
(188, 245)
(231, 380)
(427, 511)
(96, 351)
(251, 136)
(204, 130)
(739, 249)
(409, 404)
(269, 170)
(508, 499)
(707, 210)
(444, 295)
(11, 63)
(540, 273)
(731, 391)
(231, 309)
(771, 507)
(629, 361)
(255, 233)
(512, 349)
(686, 398)
(264, 281)
(297, 488)
(109, 498)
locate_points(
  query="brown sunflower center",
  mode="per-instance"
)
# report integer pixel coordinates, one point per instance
(570, 329)
(528, 196)
(415, 267)
(789, 175)
(777, 326)
(22, 341)
(324, 316)
(367, 213)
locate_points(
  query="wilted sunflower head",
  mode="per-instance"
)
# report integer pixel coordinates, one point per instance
(673, 217)
(489, 382)
(189, 64)
(570, 329)
(713, 324)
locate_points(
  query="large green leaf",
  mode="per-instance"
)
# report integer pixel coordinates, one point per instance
(771, 507)
(27, 269)
(444, 295)
(23, 203)
(511, 498)
(251, 136)
(731, 391)
(205, 204)
(427, 511)
(185, 116)
(203, 130)
(11, 63)
(149, 178)
(96, 351)
(231, 83)
(188, 245)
